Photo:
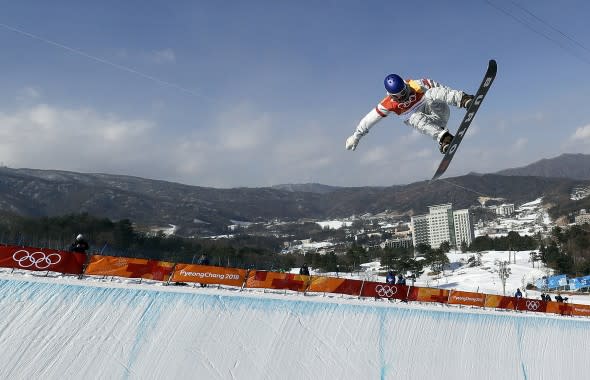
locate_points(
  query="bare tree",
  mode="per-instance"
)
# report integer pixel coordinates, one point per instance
(503, 272)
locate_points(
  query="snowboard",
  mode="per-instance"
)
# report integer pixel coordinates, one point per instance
(478, 98)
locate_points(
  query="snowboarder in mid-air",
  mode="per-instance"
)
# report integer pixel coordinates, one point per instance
(422, 103)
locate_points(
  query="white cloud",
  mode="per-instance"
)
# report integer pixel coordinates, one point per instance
(163, 56)
(240, 129)
(520, 144)
(243, 146)
(374, 155)
(47, 137)
(582, 133)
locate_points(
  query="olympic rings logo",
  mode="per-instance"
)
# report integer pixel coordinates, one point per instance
(385, 290)
(532, 305)
(38, 260)
(411, 100)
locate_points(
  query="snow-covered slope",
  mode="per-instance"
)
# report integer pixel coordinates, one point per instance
(66, 328)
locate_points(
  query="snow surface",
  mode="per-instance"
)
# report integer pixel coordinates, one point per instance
(63, 327)
(334, 224)
(483, 278)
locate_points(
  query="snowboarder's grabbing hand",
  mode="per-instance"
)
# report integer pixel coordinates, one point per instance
(422, 103)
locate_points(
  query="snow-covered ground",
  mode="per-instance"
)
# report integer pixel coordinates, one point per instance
(334, 224)
(167, 231)
(64, 327)
(483, 278)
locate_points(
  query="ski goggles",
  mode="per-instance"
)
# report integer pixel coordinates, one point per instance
(403, 94)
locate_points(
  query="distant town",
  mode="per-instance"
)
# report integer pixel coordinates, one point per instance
(441, 224)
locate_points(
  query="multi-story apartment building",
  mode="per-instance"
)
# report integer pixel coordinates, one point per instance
(443, 224)
(505, 209)
(420, 231)
(440, 225)
(583, 217)
(463, 227)
(397, 243)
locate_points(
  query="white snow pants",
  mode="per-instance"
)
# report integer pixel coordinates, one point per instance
(431, 119)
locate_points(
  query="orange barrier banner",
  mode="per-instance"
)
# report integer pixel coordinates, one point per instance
(130, 268)
(579, 310)
(428, 295)
(500, 302)
(527, 304)
(381, 290)
(276, 280)
(561, 308)
(467, 298)
(335, 285)
(206, 274)
(41, 259)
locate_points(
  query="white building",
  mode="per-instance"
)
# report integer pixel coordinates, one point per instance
(420, 234)
(442, 224)
(397, 243)
(505, 209)
(463, 227)
(440, 219)
(583, 217)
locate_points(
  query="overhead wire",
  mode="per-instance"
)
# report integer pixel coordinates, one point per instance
(100, 60)
(535, 27)
(551, 26)
(465, 188)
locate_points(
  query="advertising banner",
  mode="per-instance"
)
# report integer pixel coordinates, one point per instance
(428, 295)
(467, 298)
(500, 302)
(381, 290)
(527, 304)
(41, 259)
(579, 310)
(561, 308)
(335, 285)
(276, 280)
(128, 267)
(206, 274)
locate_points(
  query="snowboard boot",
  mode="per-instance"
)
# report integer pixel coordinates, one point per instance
(466, 101)
(445, 142)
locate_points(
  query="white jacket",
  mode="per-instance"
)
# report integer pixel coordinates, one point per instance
(426, 108)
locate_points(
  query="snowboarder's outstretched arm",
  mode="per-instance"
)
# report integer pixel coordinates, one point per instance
(366, 123)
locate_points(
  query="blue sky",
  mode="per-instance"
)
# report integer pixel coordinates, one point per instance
(231, 94)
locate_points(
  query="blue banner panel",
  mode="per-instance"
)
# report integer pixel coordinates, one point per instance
(579, 282)
(556, 281)
(552, 282)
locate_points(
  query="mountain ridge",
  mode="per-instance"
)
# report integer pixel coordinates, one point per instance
(567, 165)
(203, 210)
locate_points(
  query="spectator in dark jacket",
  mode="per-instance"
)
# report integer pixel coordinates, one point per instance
(400, 279)
(203, 260)
(390, 277)
(518, 293)
(79, 245)
(304, 270)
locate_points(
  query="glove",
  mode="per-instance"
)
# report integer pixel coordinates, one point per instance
(466, 100)
(353, 141)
